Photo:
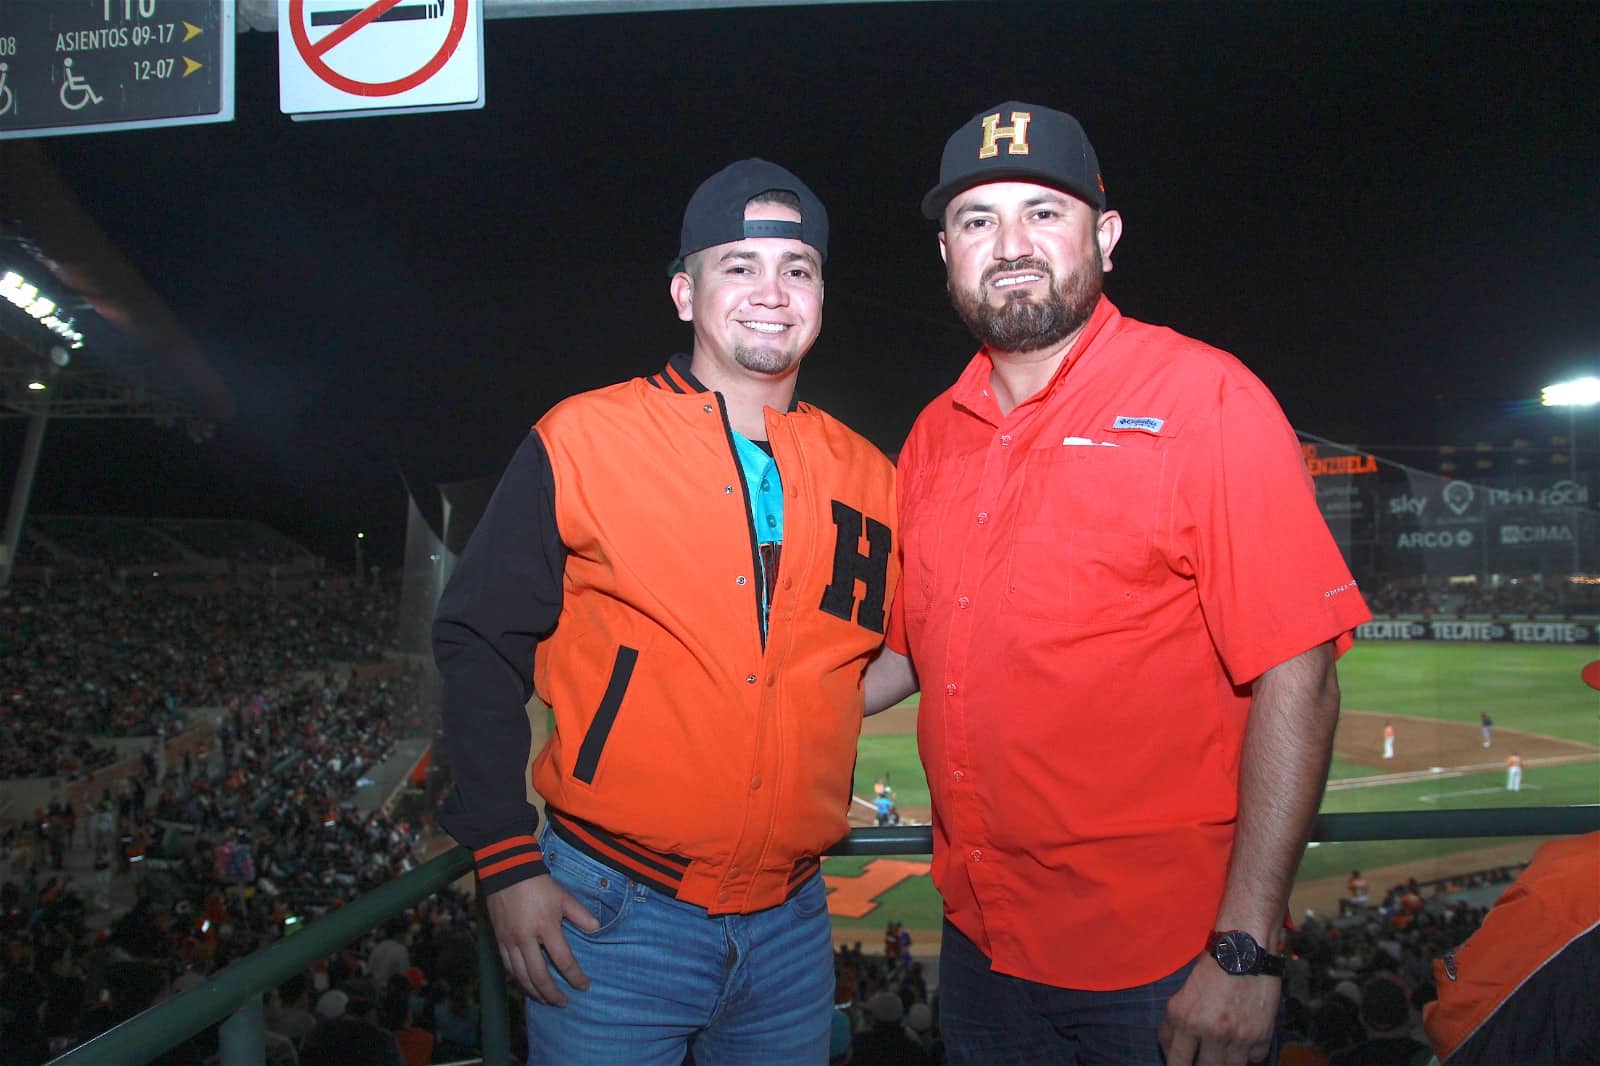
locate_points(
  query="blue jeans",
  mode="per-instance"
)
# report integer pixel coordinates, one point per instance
(988, 1017)
(664, 977)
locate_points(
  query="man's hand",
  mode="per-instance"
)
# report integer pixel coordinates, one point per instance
(1217, 1019)
(527, 926)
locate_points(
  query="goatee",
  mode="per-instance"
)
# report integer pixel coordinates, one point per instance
(763, 360)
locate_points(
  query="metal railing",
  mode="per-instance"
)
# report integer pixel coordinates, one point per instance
(233, 996)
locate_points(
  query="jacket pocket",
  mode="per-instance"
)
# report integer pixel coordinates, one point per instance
(594, 740)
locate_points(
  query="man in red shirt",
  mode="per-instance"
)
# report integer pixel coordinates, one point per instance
(1123, 607)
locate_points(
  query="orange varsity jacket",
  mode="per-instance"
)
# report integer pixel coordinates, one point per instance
(688, 752)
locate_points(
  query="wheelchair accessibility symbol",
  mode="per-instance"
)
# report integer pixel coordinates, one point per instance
(7, 97)
(77, 87)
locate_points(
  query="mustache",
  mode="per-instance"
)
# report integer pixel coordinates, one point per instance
(1038, 266)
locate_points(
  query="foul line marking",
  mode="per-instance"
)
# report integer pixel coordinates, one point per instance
(1452, 772)
(1435, 797)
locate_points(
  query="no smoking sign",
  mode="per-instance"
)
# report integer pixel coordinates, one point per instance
(341, 58)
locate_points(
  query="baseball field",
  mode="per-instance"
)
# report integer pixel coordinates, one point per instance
(1431, 693)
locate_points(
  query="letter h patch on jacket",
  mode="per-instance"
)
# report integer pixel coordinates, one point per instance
(850, 566)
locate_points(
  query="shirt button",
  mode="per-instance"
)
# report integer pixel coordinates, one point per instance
(706, 408)
(963, 603)
(733, 871)
(722, 897)
(727, 490)
(739, 580)
(772, 679)
(766, 486)
(950, 689)
(983, 516)
(1005, 440)
(750, 680)
(958, 775)
(977, 856)
(772, 521)
(788, 582)
(755, 783)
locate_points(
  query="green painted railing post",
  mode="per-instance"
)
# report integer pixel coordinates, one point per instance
(242, 1039)
(494, 1020)
(147, 1035)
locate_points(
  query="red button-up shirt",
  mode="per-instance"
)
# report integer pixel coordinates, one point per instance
(1091, 583)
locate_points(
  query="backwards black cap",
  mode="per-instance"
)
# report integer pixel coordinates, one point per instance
(715, 214)
(1017, 141)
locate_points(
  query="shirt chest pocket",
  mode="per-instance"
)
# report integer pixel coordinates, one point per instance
(924, 516)
(1082, 548)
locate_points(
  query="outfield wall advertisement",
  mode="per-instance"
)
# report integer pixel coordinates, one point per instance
(1497, 631)
(1394, 521)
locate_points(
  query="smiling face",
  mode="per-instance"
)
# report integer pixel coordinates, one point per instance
(756, 304)
(1025, 262)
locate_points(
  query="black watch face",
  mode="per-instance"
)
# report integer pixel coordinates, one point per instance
(1237, 953)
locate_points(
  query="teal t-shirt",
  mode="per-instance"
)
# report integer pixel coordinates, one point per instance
(765, 492)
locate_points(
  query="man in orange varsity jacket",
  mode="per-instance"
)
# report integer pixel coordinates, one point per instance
(694, 568)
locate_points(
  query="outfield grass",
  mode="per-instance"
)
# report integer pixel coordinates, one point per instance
(1528, 687)
(914, 902)
(893, 758)
(1343, 768)
(1542, 786)
(1337, 860)
(1523, 686)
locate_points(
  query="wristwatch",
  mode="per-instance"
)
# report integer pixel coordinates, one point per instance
(1238, 953)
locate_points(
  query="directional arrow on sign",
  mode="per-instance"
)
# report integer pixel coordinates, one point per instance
(190, 66)
(191, 31)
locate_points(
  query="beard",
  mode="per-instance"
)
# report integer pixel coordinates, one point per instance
(1022, 324)
(763, 360)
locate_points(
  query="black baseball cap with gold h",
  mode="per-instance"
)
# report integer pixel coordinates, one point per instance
(1015, 141)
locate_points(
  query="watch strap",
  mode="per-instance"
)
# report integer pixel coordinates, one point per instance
(1267, 964)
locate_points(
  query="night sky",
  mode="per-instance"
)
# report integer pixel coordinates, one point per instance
(1390, 212)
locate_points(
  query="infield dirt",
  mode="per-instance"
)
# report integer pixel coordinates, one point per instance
(1421, 745)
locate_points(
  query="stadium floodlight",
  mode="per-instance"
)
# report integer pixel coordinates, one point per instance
(1580, 392)
(36, 386)
(26, 297)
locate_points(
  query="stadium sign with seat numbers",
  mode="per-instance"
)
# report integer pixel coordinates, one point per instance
(91, 66)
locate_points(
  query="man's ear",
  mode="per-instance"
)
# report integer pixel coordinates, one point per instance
(1107, 232)
(682, 289)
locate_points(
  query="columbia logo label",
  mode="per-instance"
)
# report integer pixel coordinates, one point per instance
(1143, 424)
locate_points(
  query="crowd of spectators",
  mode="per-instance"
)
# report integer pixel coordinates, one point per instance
(883, 1013)
(1356, 985)
(247, 543)
(90, 659)
(1507, 600)
(113, 541)
(1353, 993)
(244, 843)
(62, 983)
(226, 852)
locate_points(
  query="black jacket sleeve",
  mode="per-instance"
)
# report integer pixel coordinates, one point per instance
(504, 596)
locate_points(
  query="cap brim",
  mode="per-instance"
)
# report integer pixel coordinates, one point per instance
(939, 196)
